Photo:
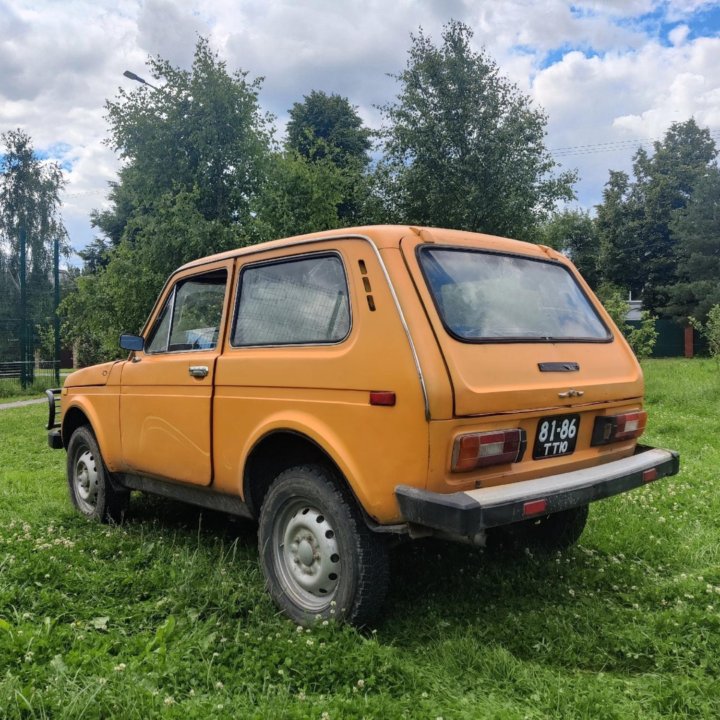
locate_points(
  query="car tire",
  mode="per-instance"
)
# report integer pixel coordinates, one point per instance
(319, 558)
(548, 533)
(91, 489)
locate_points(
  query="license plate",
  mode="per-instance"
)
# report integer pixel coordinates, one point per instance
(556, 435)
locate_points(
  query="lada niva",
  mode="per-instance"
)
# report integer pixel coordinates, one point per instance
(345, 387)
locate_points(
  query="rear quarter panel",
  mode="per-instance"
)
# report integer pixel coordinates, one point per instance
(323, 392)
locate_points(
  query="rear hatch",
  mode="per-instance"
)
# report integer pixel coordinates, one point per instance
(518, 327)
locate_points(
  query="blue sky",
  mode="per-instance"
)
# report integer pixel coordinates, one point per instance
(610, 72)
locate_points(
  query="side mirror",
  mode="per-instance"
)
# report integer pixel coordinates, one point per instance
(131, 342)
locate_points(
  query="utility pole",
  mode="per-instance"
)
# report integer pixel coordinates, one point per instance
(56, 317)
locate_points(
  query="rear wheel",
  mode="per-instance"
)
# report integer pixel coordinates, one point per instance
(91, 490)
(319, 559)
(547, 533)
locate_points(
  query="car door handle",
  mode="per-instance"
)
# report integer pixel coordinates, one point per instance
(198, 371)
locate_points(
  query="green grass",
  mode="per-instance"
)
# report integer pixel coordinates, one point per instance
(166, 616)
(11, 389)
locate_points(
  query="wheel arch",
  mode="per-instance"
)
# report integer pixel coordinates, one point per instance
(83, 413)
(278, 450)
(73, 418)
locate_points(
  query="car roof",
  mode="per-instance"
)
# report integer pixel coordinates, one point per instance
(389, 236)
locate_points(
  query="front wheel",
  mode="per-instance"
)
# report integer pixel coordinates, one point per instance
(319, 559)
(91, 490)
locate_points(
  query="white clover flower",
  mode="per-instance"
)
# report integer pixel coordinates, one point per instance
(169, 700)
(120, 667)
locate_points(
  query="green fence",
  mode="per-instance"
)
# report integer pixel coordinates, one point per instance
(17, 378)
(671, 339)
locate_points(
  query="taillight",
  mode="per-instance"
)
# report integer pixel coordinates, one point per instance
(611, 428)
(477, 450)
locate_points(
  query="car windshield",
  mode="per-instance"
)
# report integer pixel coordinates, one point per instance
(486, 297)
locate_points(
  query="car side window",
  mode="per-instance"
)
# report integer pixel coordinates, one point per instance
(293, 302)
(190, 319)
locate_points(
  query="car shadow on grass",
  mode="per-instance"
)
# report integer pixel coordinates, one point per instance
(191, 520)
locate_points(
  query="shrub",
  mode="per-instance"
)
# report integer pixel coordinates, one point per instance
(641, 339)
(710, 330)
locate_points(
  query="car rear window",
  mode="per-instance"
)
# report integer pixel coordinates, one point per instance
(493, 297)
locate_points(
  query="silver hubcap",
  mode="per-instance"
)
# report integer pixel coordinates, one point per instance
(86, 480)
(307, 555)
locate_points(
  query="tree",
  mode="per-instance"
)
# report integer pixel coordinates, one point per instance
(464, 147)
(301, 196)
(617, 221)
(573, 233)
(641, 338)
(639, 250)
(328, 126)
(30, 222)
(196, 154)
(696, 229)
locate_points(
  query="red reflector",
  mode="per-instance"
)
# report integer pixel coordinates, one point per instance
(382, 397)
(534, 507)
(650, 475)
(477, 450)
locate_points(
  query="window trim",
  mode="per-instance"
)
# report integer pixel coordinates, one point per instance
(420, 249)
(282, 260)
(170, 300)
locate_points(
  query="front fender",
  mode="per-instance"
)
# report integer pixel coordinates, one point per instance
(102, 411)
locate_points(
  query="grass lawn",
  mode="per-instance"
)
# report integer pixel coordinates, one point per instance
(166, 616)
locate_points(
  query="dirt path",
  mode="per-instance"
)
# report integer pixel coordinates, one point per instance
(21, 403)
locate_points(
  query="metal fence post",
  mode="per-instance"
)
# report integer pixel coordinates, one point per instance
(56, 317)
(23, 309)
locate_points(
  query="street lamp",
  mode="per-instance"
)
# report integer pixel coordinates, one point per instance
(137, 78)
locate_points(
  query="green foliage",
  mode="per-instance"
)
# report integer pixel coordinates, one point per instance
(464, 147)
(202, 132)
(710, 329)
(638, 248)
(119, 297)
(167, 615)
(196, 153)
(697, 231)
(328, 126)
(29, 203)
(574, 234)
(300, 196)
(323, 129)
(641, 339)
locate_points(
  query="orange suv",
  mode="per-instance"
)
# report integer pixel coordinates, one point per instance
(346, 386)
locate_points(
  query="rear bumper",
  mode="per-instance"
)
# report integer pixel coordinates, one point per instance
(466, 513)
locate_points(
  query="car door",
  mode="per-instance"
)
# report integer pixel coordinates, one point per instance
(167, 389)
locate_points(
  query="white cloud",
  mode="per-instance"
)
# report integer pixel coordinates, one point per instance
(609, 78)
(678, 35)
(632, 96)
